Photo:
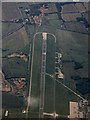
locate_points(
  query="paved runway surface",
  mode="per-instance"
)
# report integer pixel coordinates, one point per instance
(42, 82)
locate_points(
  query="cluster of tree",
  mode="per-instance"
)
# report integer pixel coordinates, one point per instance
(78, 65)
(83, 86)
(11, 101)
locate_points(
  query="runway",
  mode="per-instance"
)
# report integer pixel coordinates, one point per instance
(43, 71)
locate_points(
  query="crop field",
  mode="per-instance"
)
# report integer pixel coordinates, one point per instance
(52, 8)
(87, 5)
(52, 16)
(86, 15)
(70, 17)
(74, 48)
(80, 7)
(69, 8)
(15, 41)
(9, 27)
(75, 26)
(74, 42)
(14, 67)
(69, 42)
(6, 11)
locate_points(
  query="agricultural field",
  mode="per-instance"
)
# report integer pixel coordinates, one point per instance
(74, 48)
(63, 100)
(87, 6)
(15, 68)
(7, 8)
(80, 7)
(69, 8)
(86, 15)
(15, 41)
(52, 8)
(75, 17)
(70, 17)
(9, 28)
(75, 26)
(69, 25)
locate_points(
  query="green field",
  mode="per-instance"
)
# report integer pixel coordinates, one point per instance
(37, 65)
(48, 106)
(74, 47)
(50, 68)
(14, 67)
(36, 76)
(15, 42)
(9, 27)
(50, 56)
(61, 98)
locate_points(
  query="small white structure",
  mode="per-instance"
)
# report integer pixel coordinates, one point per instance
(60, 75)
(51, 114)
(44, 53)
(59, 55)
(76, 0)
(44, 35)
(24, 111)
(6, 113)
